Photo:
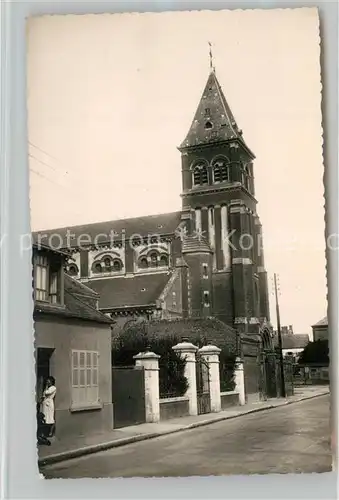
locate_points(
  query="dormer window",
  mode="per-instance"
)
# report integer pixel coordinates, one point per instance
(200, 174)
(47, 282)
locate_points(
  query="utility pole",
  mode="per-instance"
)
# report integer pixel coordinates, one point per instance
(282, 374)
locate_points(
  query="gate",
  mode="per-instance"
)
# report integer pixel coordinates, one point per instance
(203, 386)
(288, 375)
(128, 395)
(270, 375)
(253, 378)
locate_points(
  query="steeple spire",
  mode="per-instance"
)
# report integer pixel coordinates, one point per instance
(213, 120)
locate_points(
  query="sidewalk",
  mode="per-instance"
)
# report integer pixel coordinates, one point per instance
(84, 445)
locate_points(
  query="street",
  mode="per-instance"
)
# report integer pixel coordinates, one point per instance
(291, 439)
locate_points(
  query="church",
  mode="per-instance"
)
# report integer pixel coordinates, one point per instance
(205, 261)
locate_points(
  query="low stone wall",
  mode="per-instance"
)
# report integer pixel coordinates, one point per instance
(174, 407)
(228, 399)
(255, 397)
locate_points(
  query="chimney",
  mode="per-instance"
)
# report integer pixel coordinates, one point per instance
(290, 328)
(284, 330)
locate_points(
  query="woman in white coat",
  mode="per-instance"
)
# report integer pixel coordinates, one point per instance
(47, 404)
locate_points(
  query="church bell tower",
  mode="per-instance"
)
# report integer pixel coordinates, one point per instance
(218, 191)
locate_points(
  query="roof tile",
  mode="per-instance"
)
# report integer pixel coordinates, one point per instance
(140, 290)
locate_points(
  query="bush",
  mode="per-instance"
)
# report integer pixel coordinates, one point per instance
(227, 367)
(315, 352)
(172, 380)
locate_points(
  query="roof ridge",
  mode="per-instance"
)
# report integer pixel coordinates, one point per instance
(107, 221)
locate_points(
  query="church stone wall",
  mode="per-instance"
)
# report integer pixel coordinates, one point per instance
(223, 306)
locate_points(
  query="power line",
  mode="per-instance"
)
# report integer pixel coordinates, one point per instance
(41, 161)
(40, 175)
(42, 150)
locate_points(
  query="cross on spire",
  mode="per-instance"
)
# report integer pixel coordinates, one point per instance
(211, 56)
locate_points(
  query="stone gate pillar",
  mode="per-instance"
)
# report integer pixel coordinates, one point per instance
(210, 354)
(240, 380)
(188, 352)
(150, 363)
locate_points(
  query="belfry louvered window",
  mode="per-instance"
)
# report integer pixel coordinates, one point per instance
(200, 174)
(221, 171)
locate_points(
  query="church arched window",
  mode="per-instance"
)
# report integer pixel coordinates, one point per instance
(73, 270)
(117, 265)
(256, 298)
(200, 173)
(221, 172)
(107, 263)
(97, 268)
(143, 263)
(153, 259)
(163, 260)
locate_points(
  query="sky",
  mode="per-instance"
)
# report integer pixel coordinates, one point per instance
(111, 97)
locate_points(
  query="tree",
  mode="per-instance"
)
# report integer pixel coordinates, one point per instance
(315, 352)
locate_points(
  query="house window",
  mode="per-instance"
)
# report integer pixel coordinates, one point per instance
(85, 379)
(47, 280)
(41, 278)
(54, 288)
(206, 299)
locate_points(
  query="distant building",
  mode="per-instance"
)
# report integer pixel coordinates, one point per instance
(320, 330)
(292, 343)
(285, 330)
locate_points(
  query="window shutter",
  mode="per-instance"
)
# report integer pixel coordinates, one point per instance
(85, 378)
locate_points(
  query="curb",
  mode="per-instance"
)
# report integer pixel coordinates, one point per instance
(87, 450)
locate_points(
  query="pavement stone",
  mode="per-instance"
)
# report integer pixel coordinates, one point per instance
(61, 451)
